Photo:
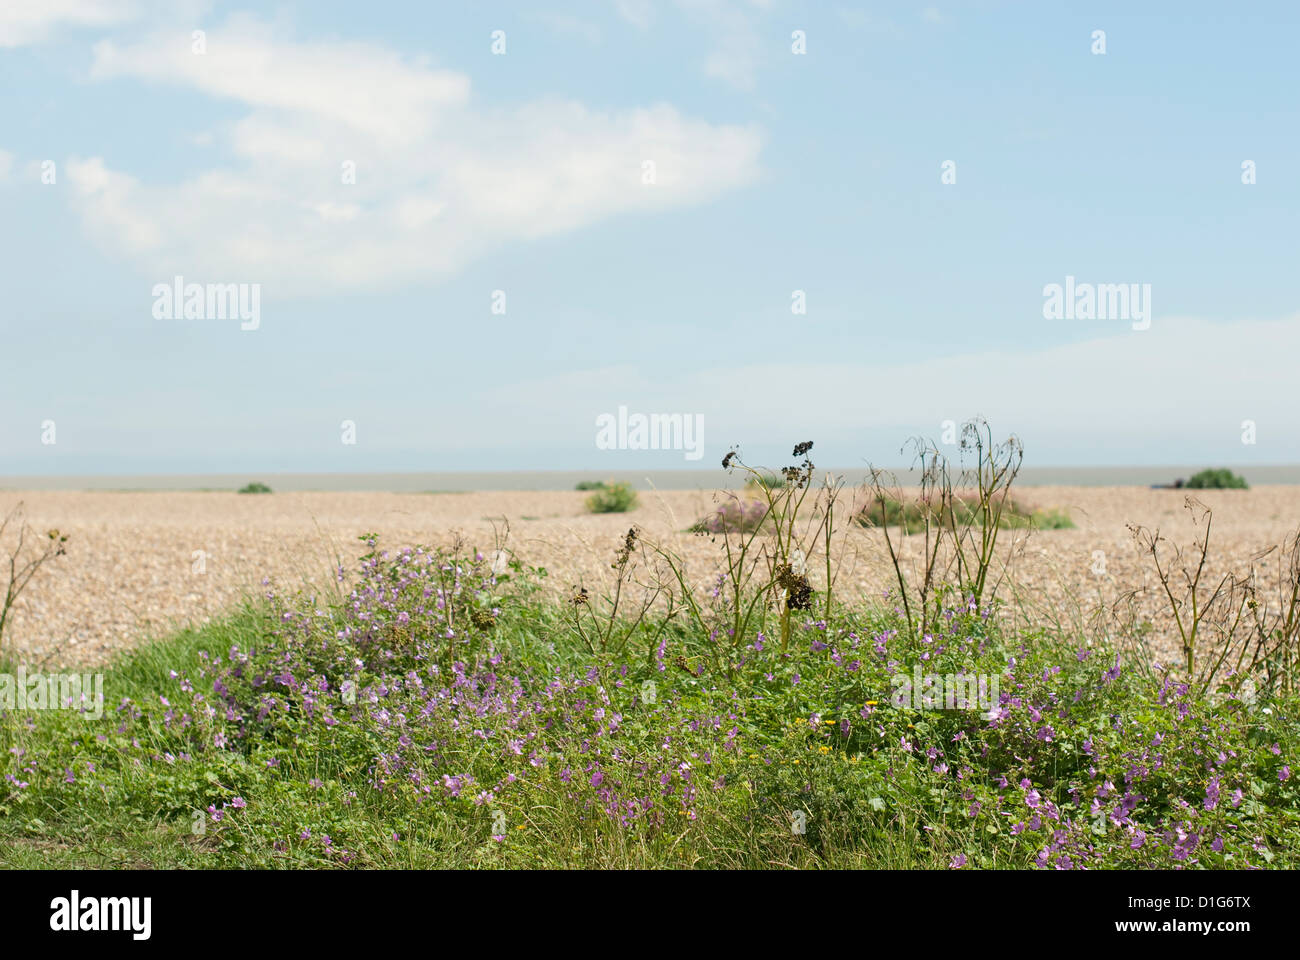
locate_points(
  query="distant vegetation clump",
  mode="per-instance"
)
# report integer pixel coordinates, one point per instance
(255, 487)
(734, 516)
(765, 481)
(1220, 479)
(590, 485)
(612, 498)
(911, 515)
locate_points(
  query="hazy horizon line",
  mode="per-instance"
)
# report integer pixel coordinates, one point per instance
(416, 481)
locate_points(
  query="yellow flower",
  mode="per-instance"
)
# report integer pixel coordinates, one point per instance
(823, 750)
(872, 703)
(520, 827)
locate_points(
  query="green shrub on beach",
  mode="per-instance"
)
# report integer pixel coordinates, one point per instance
(911, 515)
(765, 481)
(1051, 520)
(589, 485)
(612, 498)
(255, 487)
(1220, 479)
(734, 516)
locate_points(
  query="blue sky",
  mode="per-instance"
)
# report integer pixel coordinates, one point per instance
(522, 172)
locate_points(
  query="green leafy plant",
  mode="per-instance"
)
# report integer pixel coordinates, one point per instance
(589, 485)
(765, 480)
(1051, 520)
(1217, 479)
(612, 498)
(254, 487)
(912, 515)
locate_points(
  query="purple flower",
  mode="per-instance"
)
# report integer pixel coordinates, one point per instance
(1113, 672)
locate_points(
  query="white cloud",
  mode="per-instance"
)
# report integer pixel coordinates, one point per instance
(333, 81)
(734, 61)
(735, 26)
(738, 50)
(639, 13)
(439, 180)
(24, 22)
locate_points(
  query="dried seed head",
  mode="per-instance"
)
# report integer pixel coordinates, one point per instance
(796, 586)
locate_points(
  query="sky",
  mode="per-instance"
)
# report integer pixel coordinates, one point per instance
(474, 230)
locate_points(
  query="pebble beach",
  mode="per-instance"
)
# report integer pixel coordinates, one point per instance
(140, 564)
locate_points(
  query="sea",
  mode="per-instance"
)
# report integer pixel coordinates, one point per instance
(703, 478)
